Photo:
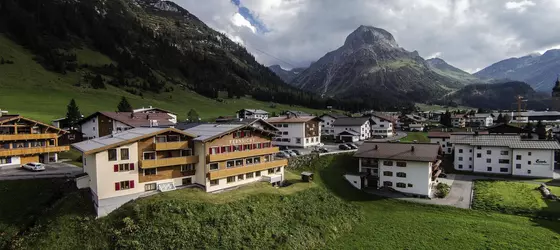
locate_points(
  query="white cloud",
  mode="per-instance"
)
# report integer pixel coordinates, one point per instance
(240, 21)
(519, 6)
(434, 55)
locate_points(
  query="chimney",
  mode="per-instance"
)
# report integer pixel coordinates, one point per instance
(412, 148)
(131, 115)
(147, 117)
(475, 133)
(376, 147)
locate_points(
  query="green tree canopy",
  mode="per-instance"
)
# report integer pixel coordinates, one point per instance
(124, 106)
(73, 114)
(193, 115)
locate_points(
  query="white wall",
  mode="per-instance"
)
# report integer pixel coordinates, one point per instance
(200, 175)
(480, 164)
(417, 173)
(119, 127)
(295, 131)
(542, 163)
(89, 166)
(326, 125)
(382, 127)
(90, 129)
(222, 183)
(15, 161)
(106, 177)
(466, 164)
(354, 180)
(445, 143)
(364, 130)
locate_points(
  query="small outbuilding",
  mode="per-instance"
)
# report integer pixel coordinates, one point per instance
(306, 176)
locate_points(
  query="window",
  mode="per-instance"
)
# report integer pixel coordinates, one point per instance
(214, 166)
(112, 154)
(503, 161)
(478, 155)
(149, 155)
(460, 158)
(387, 184)
(529, 153)
(488, 152)
(186, 168)
(470, 158)
(306, 140)
(271, 171)
(489, 169)
(518, 157)
(401, 185)
(238, 163)
(6, 160)
(161, 138)
(460, 166)
(460, 150)
(126, 167)
(528, 171)
(488, 160)
(298, 140)
(173, 138)
(401, 164)
(478, 147)
(387, 173)
(518, 166)
(401, 174)
(387, 163)
(186, 181)
(285, 125)
(214, 182)
(124, 185)
(249, 161)
(256, 160)
(240, 177)
(409, 185)
(150, 187)
(249, 175)
(528, 162)
(470, 150)
(231, 179)
(230, 164)
(504, 153)
(258, 173)
(124, 154)
(285, 133)
(150, 171)
(504, 170)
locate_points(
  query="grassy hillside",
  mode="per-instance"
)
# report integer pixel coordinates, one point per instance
(328, 213)
(28, 89)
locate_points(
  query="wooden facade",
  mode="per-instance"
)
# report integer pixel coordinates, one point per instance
(105, 125)
(164, 173)
(312, 128)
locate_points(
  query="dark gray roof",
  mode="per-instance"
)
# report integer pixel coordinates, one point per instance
(350, 121)
(206, 131)
(351, 132)
(254, 111)
(425, 152)
(334, 115)
(511, 141)
(187, 125)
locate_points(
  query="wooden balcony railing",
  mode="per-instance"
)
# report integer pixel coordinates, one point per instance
(32, 151)
(223, 173)
(242, 154)
(160, 146)
(22, 137)
(173, 161)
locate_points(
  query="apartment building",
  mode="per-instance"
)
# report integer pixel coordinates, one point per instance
(351, 128)
(481, 120)
(23, 140)
(252, 114)
(458, 121)
(137, 162)
(154, 110)
(445, 139)
(100, 124)
(382, 126)
(327, 121)
(505, 154)
(235, 154)
(410, 168)
(296, 131)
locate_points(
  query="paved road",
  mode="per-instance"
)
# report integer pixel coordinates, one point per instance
(52, 170)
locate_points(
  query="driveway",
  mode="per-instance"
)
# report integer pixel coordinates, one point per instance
(52, 170)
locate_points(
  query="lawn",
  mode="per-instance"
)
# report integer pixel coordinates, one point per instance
(328, 213)
(28, 89)
(74, 155)
(416, 136)
(514, 197)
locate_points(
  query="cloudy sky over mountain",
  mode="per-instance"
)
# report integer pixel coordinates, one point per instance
(470, 34)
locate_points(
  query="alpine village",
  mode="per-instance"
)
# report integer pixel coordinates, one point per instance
(131, 124)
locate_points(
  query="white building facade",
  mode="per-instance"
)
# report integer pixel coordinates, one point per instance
(356, 125)
(252, 114)
(481, 120)
(327, 121)
(300, 132)
(381, 127)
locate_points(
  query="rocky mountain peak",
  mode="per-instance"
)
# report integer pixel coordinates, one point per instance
(436, 61)
(368, 35)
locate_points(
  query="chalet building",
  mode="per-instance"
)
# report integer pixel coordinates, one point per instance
(252, 114)
(101, 124)
(327, 121)
(382, 126)
(235, 154)
(121, 167)
(296, 113)
(505, 154)
(296, 131)
(458, 121)
(72, 135)
(445, 139)
(23, 140)
(256, 123)
(154, 110)
(480, 120)
(410, 168)
(503, 128)
(351, 129)
(412, 122)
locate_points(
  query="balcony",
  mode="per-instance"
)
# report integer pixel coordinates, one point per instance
(33, 151)
(242, 154)
(161, 146)
(183, 160)
(23, 137)
(223, 173)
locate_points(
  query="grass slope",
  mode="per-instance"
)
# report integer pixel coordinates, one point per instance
(416, 136)
(30, 90)
(514, 198)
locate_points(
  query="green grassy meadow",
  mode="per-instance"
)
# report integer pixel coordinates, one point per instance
(326, 214)
(514, 197)
(416, 136)
(28, 89)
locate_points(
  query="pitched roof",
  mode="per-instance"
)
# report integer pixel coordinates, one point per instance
(298, 119)
(438, 134)
(334, 115)
(134, 119)
(351, 121)
(7, 118)
(458, 116)
(122, 138)
(248, 121)
(152, 108)
(350, 132)
(482, 115)
(511, 141)
(383, 117)
(255, 111)
(207, 132)
(425, 152)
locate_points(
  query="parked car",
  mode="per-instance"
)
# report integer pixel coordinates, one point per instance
(323, 150)
(283, 147)
(296, 151)
(34, 166)
(343, 147)
(352, 145)
(282, 154)
(290, 153)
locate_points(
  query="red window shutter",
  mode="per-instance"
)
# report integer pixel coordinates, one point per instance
(242, 134)
(117, 186)
(131, 166)
(116, 167)
(250, 146)
(209, 151)
(131, 184)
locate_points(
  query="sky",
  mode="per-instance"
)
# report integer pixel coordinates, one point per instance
(468, 34)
